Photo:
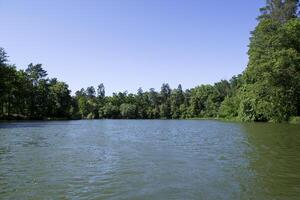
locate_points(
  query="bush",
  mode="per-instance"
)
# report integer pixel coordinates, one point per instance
(294, 120)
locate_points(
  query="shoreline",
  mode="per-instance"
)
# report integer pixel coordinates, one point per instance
(294, 120)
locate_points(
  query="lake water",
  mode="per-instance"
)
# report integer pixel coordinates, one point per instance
(149, 159)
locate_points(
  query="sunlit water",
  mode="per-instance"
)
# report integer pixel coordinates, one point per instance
(114, 159)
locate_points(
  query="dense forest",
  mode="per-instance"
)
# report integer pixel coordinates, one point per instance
(268, 89)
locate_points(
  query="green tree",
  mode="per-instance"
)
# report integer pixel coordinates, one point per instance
(61, 98)
(271, 79)
(101, 91)
(111, 111)
(35, 73)
(90, 91)
(142, 103)
(177, 99)
(128, 111)
(3, 57)
(279, 10)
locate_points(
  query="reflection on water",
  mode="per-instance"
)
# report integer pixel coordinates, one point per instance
(275, 158)
(113, 159)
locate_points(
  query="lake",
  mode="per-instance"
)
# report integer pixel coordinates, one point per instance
(149, 159)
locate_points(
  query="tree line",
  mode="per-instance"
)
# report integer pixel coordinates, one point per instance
(268, 89)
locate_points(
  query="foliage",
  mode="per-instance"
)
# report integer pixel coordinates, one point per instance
(294, 120)
(128, 111)
(30, 95)
(271, 89)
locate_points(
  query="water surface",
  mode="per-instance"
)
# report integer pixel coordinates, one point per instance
(149, 159)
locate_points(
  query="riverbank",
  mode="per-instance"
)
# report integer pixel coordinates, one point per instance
(23, 118)
(293, 120)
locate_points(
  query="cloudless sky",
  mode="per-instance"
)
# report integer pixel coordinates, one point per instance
(127, 44)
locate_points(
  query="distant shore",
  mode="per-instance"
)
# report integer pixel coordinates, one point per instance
(293, 120)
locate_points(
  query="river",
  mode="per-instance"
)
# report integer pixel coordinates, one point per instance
(149, 159)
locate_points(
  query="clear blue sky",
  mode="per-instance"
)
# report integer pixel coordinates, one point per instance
(130, 44)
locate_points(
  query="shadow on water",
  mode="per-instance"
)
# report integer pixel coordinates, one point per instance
(35, 124)
(275, 159)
